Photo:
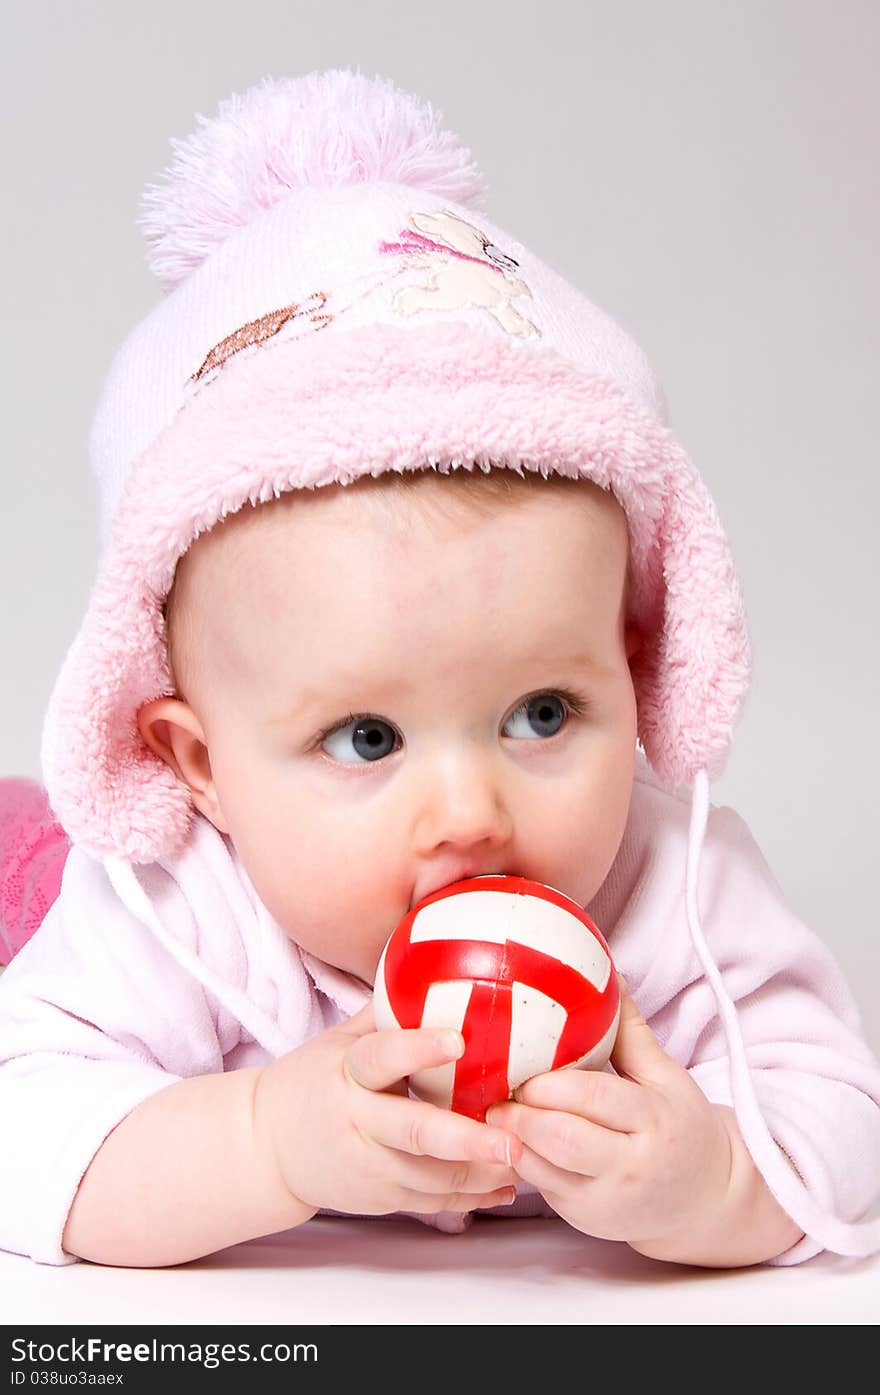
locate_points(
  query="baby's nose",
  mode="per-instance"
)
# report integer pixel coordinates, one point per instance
(463, 802)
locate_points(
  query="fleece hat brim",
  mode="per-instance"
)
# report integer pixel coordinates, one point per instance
(361, 402)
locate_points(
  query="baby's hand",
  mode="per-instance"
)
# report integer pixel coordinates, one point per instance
(336, 1117)
(638, 1156)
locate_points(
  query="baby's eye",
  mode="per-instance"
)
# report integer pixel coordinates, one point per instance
(373, 739)
(545, 712)
(370, 736)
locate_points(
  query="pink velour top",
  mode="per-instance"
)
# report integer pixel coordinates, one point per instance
(117, 996)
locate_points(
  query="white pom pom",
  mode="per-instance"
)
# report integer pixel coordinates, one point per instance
(322, 130)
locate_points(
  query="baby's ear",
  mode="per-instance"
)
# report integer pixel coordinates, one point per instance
(172, 730)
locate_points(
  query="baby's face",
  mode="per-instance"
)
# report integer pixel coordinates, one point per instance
(389, 702)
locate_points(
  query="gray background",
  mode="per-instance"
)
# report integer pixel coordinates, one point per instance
(705, 171)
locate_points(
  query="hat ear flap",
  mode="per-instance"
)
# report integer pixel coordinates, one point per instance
(692, 672)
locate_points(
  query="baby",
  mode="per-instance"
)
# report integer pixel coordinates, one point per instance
(383, 605)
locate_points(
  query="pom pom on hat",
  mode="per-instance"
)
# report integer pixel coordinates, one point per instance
(324, 130)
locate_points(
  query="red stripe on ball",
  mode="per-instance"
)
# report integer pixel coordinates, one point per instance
(481, 1073)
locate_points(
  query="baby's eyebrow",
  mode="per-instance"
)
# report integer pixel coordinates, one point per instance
(335, 691)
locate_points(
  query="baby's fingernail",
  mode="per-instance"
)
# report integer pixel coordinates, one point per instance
(502, 1152)
(509, 1197)
(452, 1044)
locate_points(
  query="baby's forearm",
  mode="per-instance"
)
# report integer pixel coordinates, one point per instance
(180, 1177)
(748, 1227)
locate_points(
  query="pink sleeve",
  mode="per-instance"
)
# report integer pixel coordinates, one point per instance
(33, 851)
(816, 1079)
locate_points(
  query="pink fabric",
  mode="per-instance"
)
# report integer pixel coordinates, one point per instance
(33, 851)
(332, 312)
(403, 397)
(313, 132)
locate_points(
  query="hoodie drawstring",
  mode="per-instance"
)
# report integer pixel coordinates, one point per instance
(840, 1237)
(261, 1027)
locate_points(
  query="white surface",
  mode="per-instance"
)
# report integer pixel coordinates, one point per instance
(392, 1271)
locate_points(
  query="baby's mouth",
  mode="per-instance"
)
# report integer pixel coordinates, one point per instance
(440, 885)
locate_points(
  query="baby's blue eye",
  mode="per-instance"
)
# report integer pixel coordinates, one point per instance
(546, 712)
(373, 739)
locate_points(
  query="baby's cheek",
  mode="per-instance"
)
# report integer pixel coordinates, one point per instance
(591, 852)
(335, 902)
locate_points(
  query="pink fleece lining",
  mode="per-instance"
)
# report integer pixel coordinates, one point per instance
(379, 398)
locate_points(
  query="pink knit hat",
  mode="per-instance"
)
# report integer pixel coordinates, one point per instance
(338, 305)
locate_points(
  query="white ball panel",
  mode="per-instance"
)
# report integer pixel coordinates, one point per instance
(535, 1028)
(473, 915)
(445, 1006)
(435, 1085)
(545, 926)
(497, 916)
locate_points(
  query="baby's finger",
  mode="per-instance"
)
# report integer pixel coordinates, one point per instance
(425, 1203)
(361, 1023)
(554, 1181)
(606, 1099)
(414, 1126)
(379, 1059)
(435, 1176)
(565, 1140)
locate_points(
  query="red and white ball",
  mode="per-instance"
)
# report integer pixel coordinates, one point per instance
(518, 968)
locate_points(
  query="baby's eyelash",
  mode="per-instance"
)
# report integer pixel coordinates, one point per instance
(337, 726)
(577, 704)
